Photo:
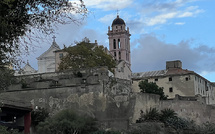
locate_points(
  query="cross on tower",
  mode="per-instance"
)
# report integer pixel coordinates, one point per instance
(54, 38)
(117, 12)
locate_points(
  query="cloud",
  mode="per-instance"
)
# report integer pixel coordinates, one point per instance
(164, 17)
(179, 23)
(107, 19)
(160, 19)
(108, 4)
(158, 12)
(152, 54)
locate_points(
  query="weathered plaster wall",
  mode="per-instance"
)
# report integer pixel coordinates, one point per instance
(143, 102)
(193, 108)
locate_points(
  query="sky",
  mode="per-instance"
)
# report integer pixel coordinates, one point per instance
(161, 30)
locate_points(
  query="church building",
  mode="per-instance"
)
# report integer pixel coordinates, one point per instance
(46, 61)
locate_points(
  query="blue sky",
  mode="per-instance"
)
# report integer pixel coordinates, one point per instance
(161, 30)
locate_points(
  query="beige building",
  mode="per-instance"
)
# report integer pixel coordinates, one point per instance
(176, 80)
(58, 55)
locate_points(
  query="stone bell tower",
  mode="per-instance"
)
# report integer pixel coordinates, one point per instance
(119, 40)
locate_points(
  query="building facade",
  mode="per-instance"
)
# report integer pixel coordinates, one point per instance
(46, 61)
(176, 80)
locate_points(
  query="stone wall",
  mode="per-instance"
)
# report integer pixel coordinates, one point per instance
(191, 108)
(109, 100)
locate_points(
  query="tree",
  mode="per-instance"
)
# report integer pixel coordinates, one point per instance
(67, 122)
(6, 77)
(19, 17)
(152, 88)
(86, 55)
(38, 115)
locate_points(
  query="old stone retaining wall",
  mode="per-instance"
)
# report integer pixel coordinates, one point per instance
(93, 92)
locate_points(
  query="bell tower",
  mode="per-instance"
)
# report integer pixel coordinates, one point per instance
(119, 40)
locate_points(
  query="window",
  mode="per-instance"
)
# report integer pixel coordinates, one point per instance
(170, 90)
(156, 79)
(119, 55)
(115, 54)
(60, 55)
(170, 78)
(119, 44)
(186, 78)
(114, 44)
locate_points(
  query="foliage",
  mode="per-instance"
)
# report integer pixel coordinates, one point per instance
(67, 122)
(151, 115)
(19, 17)
(166, 114)
(3, 130)
(106, 132)
(177, 123)
(38, 115)
(147, 128)
(152, 88)
(84, 55)
(6, 75)
(205, 128)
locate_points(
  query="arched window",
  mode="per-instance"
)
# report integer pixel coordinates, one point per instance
(119, 44)
(119, 55)
(114, 44)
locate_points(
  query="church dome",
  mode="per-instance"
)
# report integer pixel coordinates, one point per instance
(118, 21)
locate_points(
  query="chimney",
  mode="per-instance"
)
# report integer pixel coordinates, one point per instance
(96, 42)
(173, 64)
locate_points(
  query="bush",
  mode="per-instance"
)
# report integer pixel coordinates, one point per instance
(4, 130)
(38, 116)
(67, 122)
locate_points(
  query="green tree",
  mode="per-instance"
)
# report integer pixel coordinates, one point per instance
(150, 87)
(67, 122)
(19, 17)
(85, 55)
(6, 77)
(38, 115)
